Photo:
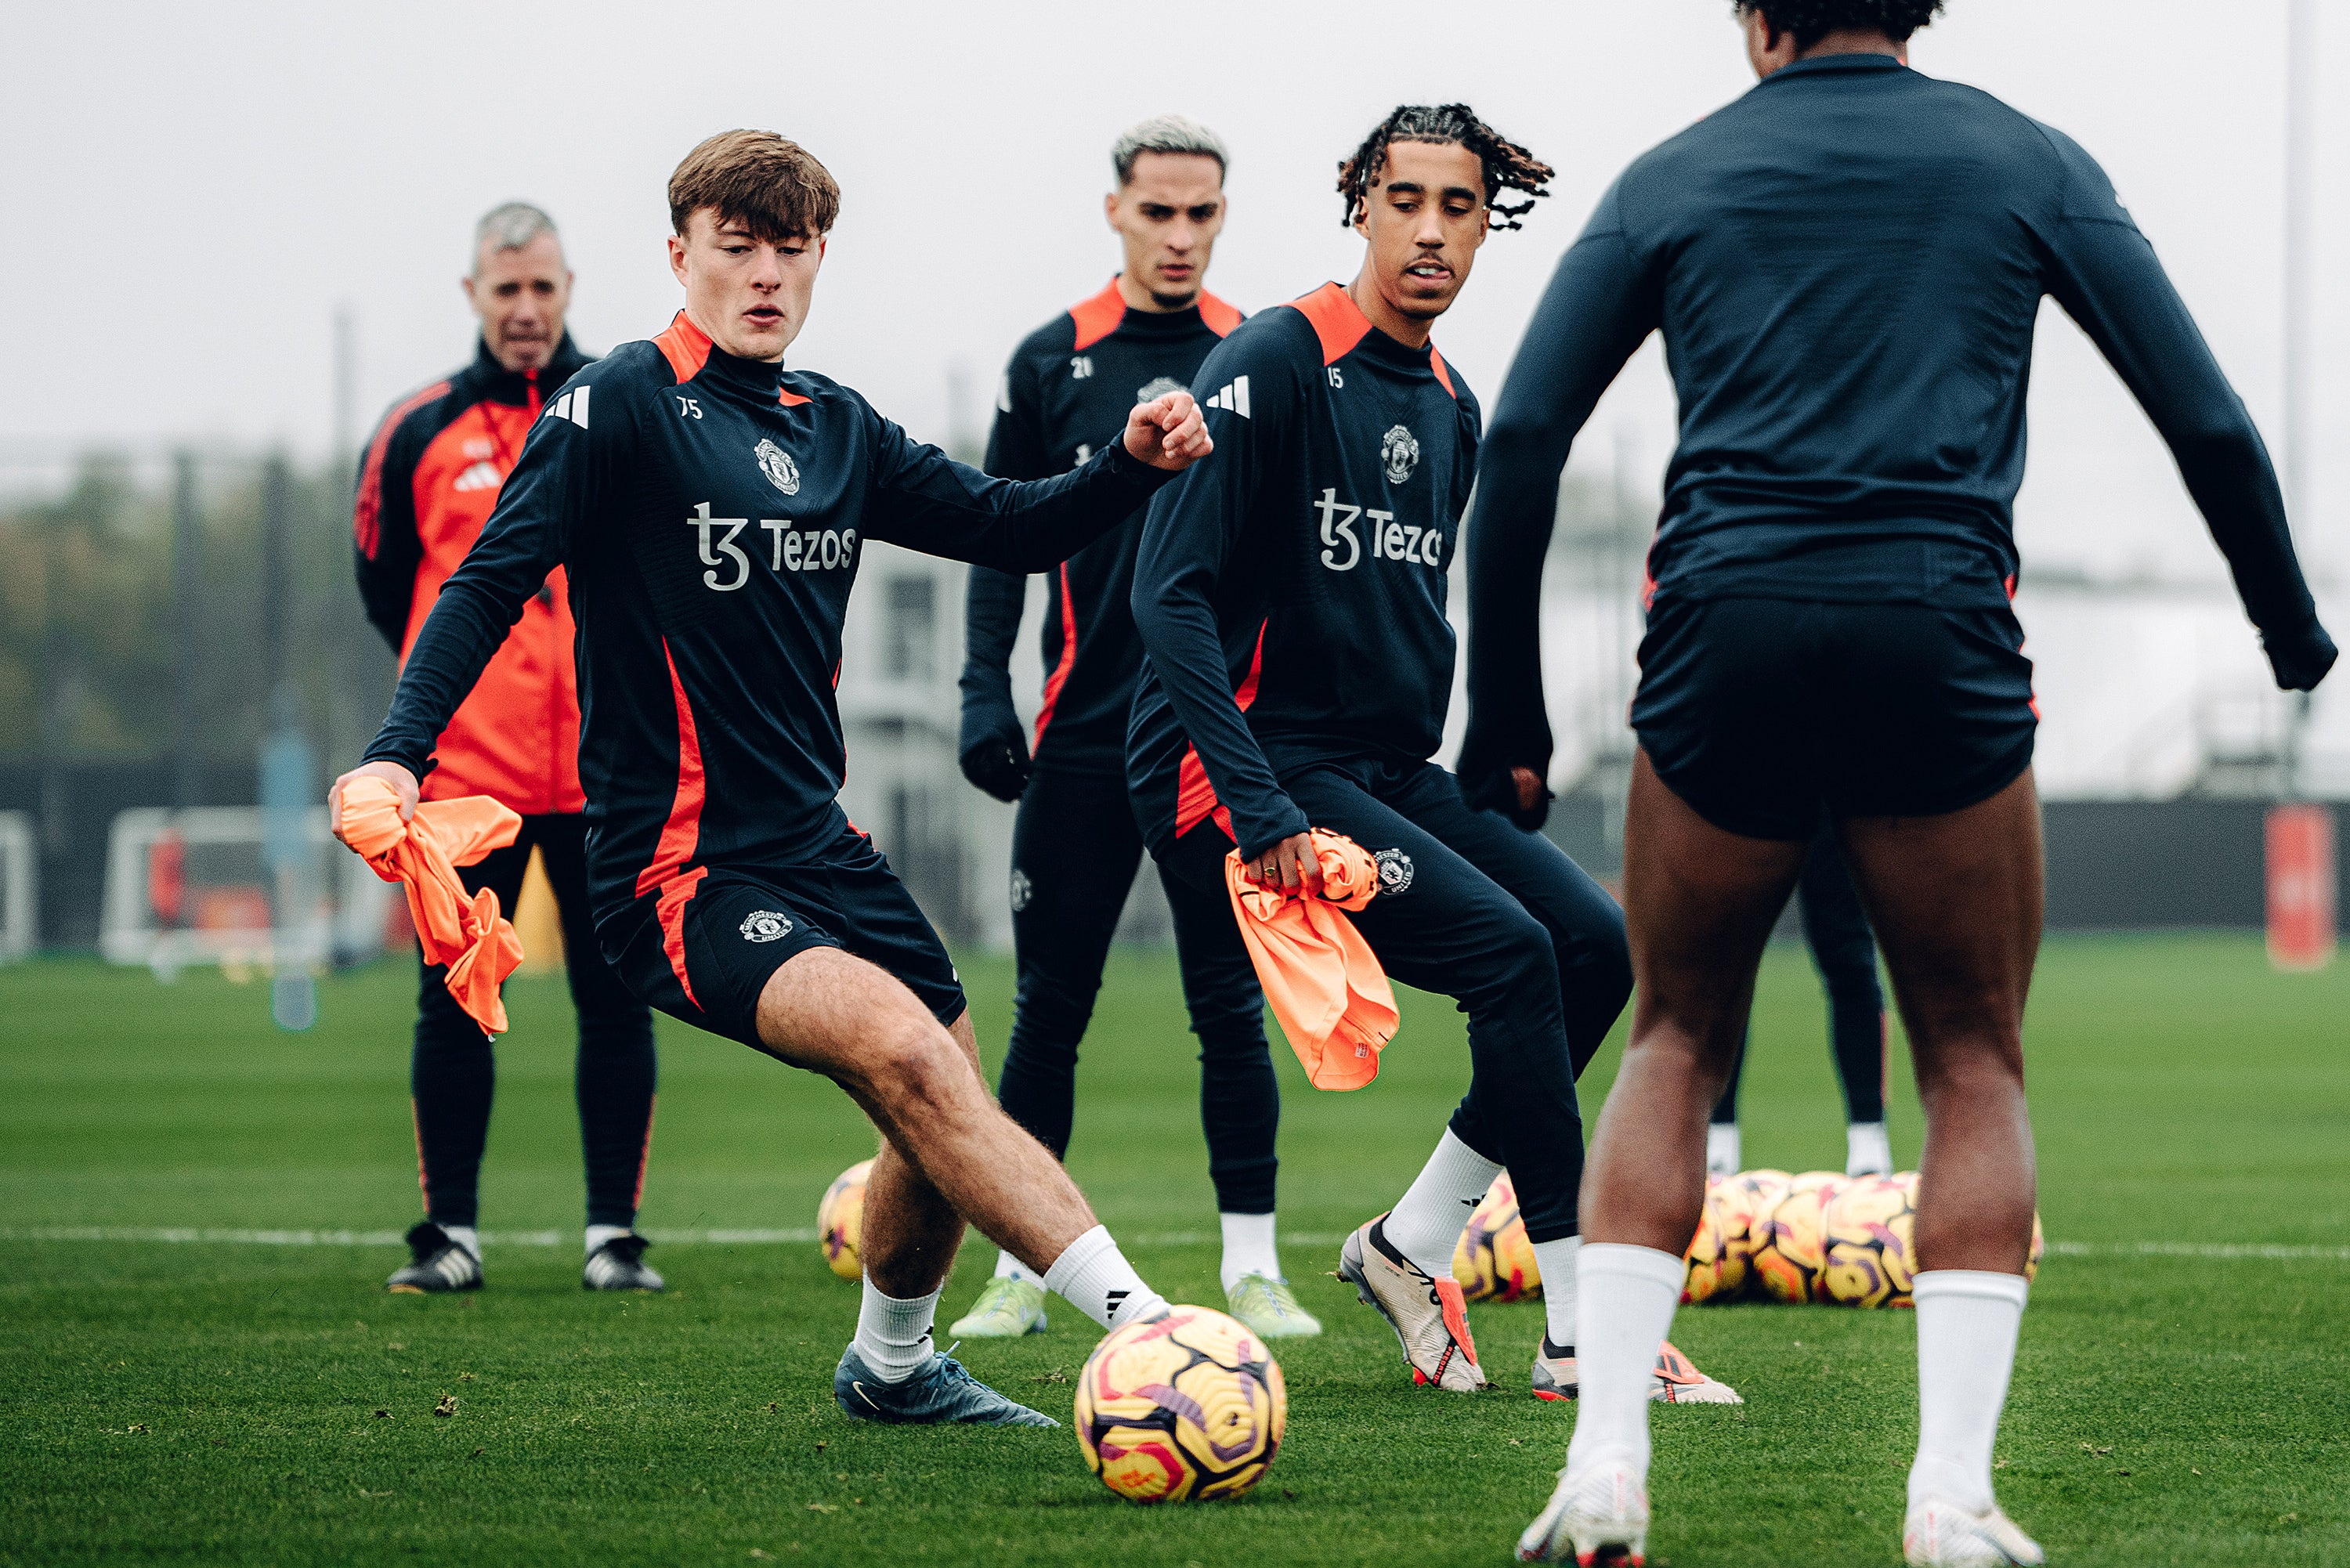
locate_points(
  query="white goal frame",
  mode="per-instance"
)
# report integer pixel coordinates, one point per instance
(20, 871)
(349, 925)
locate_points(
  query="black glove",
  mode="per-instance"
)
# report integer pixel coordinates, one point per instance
(1497, 791)
(995, 755)
(2301, 658)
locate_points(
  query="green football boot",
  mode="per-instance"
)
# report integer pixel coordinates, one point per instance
(1270, 1307)
(1006, 1309)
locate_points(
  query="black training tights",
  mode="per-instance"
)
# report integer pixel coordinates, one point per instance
(453, 1073)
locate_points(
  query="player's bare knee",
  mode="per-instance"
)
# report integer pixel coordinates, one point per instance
(914, 1067)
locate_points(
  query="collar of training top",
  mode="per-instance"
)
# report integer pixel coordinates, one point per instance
(694, 356)
(501, 385)
(1838, 65)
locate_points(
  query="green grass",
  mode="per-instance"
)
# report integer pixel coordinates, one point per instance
(217, 1402)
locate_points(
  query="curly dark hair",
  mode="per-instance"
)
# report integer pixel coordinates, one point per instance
(1507, 165)
(1812, 20)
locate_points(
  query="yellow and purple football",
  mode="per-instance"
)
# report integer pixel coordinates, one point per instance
(1493, 1261)
(1790, 1259)
(1869, 1242)
(840, 1221)
(1181, 1407)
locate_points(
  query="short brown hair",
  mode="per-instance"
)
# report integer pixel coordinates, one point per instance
(768, 183)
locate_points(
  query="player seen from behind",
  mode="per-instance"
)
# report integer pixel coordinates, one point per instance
(710, 507)
(426, 486)
(1063, 397)
(1291, 598)
(1847, 265)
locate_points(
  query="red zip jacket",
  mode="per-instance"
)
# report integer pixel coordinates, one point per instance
(427, 484)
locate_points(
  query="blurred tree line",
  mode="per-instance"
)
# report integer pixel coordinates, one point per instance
(148, 611)
(100, 660)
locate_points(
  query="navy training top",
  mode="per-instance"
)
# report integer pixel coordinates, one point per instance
(1847, 264)
(1290, 590)
(710, 513)
(1066, 394)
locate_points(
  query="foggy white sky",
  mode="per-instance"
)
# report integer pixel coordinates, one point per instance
(191, 191)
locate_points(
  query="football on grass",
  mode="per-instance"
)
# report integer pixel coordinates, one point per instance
(1180, 1408)
(1733, 1227)
(1493, 1261)
(1869, 1241)
(1795, 1248)
(840, 1221)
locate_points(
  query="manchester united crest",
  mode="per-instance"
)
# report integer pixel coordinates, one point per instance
(781, 470)
(1399, 451)
(766, 925)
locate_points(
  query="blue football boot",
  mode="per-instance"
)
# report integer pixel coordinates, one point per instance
(941, 1391)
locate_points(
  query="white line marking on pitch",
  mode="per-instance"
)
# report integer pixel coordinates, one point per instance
(800, 1235)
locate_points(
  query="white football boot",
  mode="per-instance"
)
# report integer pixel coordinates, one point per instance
(1429, 1317)
(1598, 1514)
(1677, 1381)
(1939, 1534)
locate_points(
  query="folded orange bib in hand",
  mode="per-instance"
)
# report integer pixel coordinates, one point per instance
(1327, 988)
(463, 931)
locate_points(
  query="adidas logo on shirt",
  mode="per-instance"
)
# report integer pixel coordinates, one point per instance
(572, 406)
(1232, 396)
(481, 476)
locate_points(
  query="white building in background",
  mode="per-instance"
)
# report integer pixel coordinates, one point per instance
(901, 656)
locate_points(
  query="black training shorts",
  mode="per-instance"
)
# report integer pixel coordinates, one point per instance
(1757, 711)
(704, 947)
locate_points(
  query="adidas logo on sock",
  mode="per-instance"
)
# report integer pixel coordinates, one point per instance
(1232, 396)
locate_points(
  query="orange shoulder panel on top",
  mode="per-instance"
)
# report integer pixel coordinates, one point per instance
(1443, 376)
(366, 510)
(1097, 317)
(1337, 320)
(1221, 316)
(686, 347)
(790, 398)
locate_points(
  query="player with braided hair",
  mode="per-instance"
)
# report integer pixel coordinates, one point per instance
(1505, 165)
(1847, 266)
(1291, 598)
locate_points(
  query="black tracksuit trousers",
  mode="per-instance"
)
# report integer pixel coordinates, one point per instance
(453, 1073)
(1075, 851)
(1499, 919)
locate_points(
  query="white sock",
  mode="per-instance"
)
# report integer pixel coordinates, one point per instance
(1556, 1260)
(599, 1234)
(894, 1336)
(465, 1236)
(1721, 1148)
(1628, 1296)
(1093, 1276)
(1867, 1149)
(1248, 1248)
(1008, 1267)
(1427, 1220)
(1967, 1323)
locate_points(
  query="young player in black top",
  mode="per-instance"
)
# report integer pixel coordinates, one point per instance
(709, 507)
(1066, 390)
(1847, 264)
(1290, 597)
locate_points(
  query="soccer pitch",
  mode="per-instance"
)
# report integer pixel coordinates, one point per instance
(2179, 1398)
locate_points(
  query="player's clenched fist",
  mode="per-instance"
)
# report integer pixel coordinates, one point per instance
(1168, 432)
(402, 781)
